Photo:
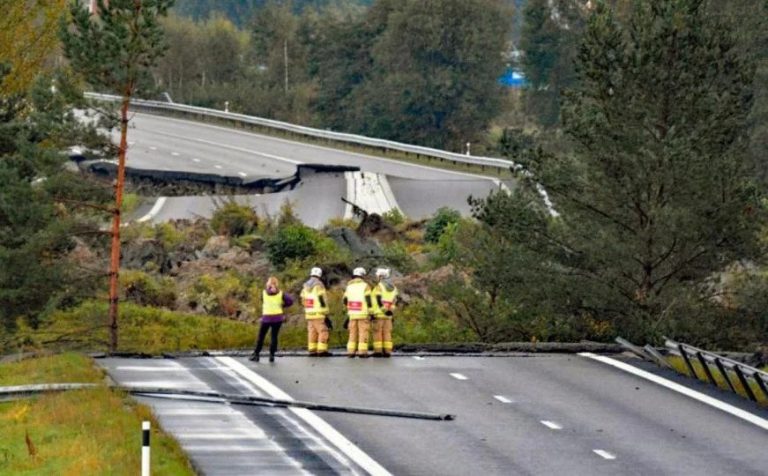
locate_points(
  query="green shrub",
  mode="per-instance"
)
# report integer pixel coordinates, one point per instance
(396, 255)
(169, 235)
(393, 217)
(442, 218)
(219, 295)
(147, 290)
(291, 242)
(233, 219)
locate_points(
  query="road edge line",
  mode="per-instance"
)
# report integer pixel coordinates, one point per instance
(706, 399)
(159, 204)
(341, 442)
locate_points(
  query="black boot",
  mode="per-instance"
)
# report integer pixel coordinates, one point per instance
(254, 357)
(271, 357)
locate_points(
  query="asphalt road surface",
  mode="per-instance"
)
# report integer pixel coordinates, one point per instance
(535, 415)
(169, 144)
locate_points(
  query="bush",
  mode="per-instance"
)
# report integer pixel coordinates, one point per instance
(291, 242)
(393, 217)
(233, 219)
(146, 290)
(442, 218)
(219, 295)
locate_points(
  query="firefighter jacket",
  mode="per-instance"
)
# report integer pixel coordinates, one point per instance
(314, 300)
(358, 299)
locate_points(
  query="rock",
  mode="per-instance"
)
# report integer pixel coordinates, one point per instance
(348, 238)
(216, 246)
(145, 254)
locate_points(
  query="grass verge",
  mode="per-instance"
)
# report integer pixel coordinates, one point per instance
(679, 365)
(79, 432)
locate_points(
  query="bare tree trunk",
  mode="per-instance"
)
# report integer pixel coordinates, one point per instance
(114, 265)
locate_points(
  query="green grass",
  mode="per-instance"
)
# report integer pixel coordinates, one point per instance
(78, 432)
(679, 365)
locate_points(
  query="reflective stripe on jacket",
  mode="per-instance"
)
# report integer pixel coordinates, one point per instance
(271, 304)
(356, 292)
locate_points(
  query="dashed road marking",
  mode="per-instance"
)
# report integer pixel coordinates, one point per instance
(242, 174)
(459, 376)
(604, 454)
(152, 147)
(502, 399)
(551, 425)
(713, 402)
(418, 357)
(175, 154)
(195, 159)
(217, 167)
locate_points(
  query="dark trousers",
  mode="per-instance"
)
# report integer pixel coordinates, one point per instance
(275, 327)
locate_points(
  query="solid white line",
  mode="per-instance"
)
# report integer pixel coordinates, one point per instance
(154, 211)
(604, 454)
(459, 377)
(390, 197)
(551, 425)
(349, 178)
(502, 399)
(331, 434)
(737, 412)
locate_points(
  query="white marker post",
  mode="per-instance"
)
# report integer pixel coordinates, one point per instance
(145, 448)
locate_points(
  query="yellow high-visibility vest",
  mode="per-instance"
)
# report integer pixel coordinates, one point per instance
(271, 304)
(310, 298)
(388, 298)
(357, 290)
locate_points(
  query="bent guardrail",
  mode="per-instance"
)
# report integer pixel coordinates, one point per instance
(381, 144)
(727, 368)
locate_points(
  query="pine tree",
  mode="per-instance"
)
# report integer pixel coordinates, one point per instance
(114, 50)
(658, 194)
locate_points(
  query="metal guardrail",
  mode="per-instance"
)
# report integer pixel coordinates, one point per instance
(743, 373)
(382, 144)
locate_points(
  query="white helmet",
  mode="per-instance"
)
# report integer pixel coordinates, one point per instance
(316, 272)
(382, 273)
(358, 272)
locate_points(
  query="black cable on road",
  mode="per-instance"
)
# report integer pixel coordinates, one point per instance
(277, 402)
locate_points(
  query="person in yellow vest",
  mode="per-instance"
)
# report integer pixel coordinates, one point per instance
(357, 299)
(273, 304)
(383, 297)
(316, 312)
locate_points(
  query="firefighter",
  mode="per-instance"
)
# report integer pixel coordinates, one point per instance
(357, 299)
(316, 313)
(383, 298)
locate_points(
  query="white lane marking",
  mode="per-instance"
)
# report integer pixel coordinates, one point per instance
(154, 211)
(727, 408)
(459, 376)
(319, 147)
(551, 425)
(217, 436)
(195, 160)
(242, 174)
(418, 357)
(604, 454)
(217, 167)
(152, 147)
(331, 434)
(131, 143)
(503, 399)
(175, 154)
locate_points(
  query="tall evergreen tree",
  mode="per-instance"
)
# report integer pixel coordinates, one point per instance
(657, 195)
(114, 50)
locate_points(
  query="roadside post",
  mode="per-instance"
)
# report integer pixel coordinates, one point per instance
(145, 448)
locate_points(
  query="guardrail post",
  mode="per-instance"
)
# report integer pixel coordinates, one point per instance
(724, 373)
(705, 366)
(761, 384)
(687, 361)
(745, 384)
